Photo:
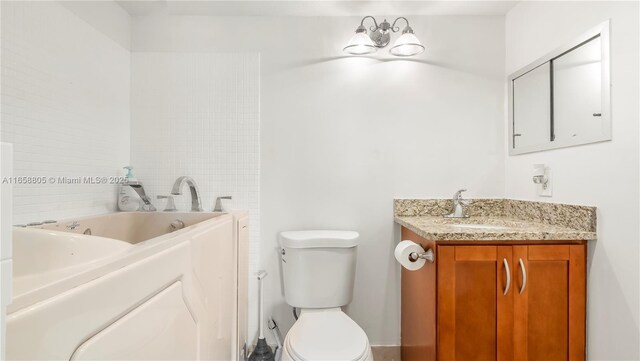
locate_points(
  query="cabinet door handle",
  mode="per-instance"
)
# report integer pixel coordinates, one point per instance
(524, 276)
(506, 268)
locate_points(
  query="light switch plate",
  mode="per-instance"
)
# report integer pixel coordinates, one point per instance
(546, 190)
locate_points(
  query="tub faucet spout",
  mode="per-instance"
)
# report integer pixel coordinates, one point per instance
(137, 186)
(193, 188)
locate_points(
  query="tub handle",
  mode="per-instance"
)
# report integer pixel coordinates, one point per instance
(218, 206)
(171, 204)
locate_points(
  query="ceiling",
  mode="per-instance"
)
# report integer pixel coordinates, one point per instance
(314, 7)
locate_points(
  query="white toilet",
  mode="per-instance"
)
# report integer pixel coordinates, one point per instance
(319, 272)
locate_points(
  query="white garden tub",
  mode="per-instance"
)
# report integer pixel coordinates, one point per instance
(143, 286)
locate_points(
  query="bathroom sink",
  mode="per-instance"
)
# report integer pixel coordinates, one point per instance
(477, 226)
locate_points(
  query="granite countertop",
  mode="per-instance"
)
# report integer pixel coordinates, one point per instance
(444, 229)
(497, 219)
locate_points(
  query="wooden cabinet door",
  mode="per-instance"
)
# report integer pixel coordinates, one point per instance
(549, 307)
(475, 303)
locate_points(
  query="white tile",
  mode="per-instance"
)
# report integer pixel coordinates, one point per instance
(65, 106)
(197, 114)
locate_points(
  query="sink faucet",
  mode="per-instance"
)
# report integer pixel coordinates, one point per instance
(139, 188)
(458, 206)
(193, 188)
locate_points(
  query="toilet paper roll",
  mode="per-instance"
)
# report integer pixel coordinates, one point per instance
(402, 252)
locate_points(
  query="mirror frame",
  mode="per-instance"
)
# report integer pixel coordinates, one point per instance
(603, 31)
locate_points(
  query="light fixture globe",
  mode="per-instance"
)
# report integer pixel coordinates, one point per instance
(407, 44)
(360, 43)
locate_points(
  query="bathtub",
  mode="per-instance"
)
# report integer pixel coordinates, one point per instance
(130, 285)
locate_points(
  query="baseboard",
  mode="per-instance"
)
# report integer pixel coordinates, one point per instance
(386, 353)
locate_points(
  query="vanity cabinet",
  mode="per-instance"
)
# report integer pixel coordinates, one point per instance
(500, 300)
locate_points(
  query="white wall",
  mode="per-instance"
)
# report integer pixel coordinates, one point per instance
(197, 114)
(105, 16)
(65, 106)
(342, 136)
(604, 174)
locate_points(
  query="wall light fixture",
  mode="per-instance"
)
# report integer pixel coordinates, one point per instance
(406, 45)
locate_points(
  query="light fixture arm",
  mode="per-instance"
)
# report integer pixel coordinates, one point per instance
(377, 26)
(374, 27)
(395, 28)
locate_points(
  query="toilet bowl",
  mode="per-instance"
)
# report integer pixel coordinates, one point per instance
(319, 274)
(326, 334)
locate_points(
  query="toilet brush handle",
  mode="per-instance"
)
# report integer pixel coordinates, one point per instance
(261, 276)
(260, 311)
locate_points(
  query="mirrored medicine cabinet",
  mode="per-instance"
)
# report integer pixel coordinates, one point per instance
(562, 99)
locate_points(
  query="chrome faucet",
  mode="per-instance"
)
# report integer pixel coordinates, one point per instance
(193, 188)
(458, 206)
(139, 188)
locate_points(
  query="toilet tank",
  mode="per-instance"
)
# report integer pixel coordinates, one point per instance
(318, 267)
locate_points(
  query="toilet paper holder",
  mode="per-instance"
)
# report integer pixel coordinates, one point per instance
(428, 255)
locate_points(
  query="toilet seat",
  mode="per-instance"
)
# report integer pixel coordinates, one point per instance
(326, 334)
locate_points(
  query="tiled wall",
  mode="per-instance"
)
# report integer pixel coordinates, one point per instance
(197, 114)
(65, 107)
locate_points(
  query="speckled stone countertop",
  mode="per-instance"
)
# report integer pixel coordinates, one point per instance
(497, 219)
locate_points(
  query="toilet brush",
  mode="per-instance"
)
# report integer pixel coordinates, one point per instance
(262, 352)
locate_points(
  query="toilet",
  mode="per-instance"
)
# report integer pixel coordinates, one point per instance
(319, 272)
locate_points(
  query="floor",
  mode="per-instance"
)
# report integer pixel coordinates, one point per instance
(386, 353)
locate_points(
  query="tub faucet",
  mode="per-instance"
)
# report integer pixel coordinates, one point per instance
(139, 188)
(193, 188)
(458, 205)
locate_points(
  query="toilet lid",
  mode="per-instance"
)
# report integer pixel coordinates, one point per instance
(326, 335)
